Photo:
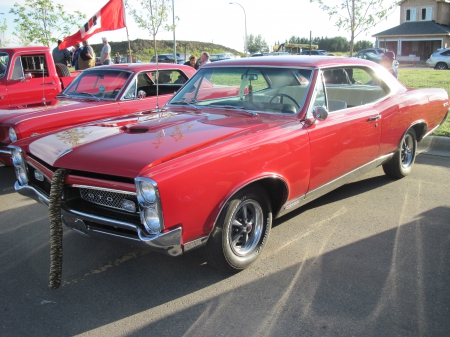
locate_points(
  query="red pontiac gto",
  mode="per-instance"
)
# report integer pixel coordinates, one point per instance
(97, 93)
(243, 142)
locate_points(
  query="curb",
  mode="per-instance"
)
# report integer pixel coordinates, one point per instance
(435, 146)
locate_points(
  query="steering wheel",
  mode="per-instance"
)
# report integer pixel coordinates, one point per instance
(281, 99)
(116, 91)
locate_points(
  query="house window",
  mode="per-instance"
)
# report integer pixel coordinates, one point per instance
(411, 14)
(425, 14)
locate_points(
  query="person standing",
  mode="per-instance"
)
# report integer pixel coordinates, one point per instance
(61, 56)
(86, 57)
(75, 54)
(192, 62)
(204, 59)
(105, 55)
(117, 58)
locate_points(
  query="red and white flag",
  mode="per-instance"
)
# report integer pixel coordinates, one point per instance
(110, 17)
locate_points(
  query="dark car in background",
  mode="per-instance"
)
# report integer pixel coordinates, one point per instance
(167, 58)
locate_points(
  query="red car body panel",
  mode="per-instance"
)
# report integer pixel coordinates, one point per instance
(70, 112)
(200, 158)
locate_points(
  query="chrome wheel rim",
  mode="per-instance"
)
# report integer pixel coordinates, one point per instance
(246, 228)
(407, 150)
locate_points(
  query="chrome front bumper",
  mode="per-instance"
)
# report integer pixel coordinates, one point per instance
(167, 243)
(5, 156)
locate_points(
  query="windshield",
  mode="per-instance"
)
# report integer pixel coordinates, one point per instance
(262, 89)
(4, 57)
(98, 83)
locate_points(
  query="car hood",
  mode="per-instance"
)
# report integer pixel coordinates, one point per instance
(125, 147)
(15, 115)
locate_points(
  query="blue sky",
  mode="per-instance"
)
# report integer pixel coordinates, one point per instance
(219, 22)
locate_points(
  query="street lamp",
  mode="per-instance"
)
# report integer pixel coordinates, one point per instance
(245, 21)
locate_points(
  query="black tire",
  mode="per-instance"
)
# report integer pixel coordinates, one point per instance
(241, 231)
(401, 163)
(62, 70)
(441, 66)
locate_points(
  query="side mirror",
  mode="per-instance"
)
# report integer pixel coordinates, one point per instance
(27, 77)
(141, 94)
(320, 113)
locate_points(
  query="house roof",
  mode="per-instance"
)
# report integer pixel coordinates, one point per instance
(416, 28)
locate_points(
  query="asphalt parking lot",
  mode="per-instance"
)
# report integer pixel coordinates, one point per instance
(369, 259)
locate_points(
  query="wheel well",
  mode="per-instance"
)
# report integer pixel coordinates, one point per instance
(276, 190)
(420, 129)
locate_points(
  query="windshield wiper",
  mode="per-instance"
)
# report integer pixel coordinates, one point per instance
(88, 93)
(232, 107)
(63, 95)
(186, 103)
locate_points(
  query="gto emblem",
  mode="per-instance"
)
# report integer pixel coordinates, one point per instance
(109, 199)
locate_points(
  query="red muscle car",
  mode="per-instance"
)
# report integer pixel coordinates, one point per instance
(243, 142)
(96, 93)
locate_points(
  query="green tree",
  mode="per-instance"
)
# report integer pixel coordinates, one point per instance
(152, 15)
(256, 44)
(3, 28)
(357, 16)
(43, 22)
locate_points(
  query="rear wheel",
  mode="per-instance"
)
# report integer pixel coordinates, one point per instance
(62, 70)
(441, 66)
(401, 163)
(241, 232)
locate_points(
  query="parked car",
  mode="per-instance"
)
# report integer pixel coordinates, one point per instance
(221, 57)
(167, 58)
(376, 51)
(96, 93)
(241, 143)
(440, 59)
(313, 52)
(29, 76)
(376, 55)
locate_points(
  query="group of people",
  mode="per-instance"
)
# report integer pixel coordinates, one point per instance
(82, 56)
(196, 63)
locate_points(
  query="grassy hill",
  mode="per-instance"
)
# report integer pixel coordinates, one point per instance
(143, 49)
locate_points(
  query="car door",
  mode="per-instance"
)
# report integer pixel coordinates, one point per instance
(30, 81)
(348, 138)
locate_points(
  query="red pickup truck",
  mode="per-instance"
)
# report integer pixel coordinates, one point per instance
(29, 76)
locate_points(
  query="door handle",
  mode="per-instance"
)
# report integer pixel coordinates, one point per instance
(375, 118)
(48, 83)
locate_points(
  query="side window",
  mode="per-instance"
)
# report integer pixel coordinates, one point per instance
(352, 87)
(319, 95)
(169, 77)
(18, 70)
(131, 92)
(34, 65)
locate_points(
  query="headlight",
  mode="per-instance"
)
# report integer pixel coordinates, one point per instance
(16, 157)
(22, 176)
(12, 135)
(152, 220)
(19, 165)
(149, 205)
(147, 191)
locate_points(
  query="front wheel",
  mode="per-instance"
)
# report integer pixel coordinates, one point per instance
(441, 66)
(241, 231)
(401, 163)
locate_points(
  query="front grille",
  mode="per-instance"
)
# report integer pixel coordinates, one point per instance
(106, 198)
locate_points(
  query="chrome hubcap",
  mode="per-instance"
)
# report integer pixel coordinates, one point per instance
(246, 228)
(407, 150)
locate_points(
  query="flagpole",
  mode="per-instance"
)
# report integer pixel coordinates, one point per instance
(129, 59)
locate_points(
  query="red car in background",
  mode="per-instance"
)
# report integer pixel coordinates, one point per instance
(96, 93)
(243, 142)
